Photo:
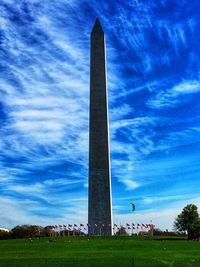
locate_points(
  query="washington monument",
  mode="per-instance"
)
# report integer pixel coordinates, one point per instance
(100, 201)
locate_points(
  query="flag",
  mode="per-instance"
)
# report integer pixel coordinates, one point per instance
(132, 206)
(133, 224)
(60, 226)
(81, 225)
(127, 224)
(75, 225)
(69, 225)
(115, 225)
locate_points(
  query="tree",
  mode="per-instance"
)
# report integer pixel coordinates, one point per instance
(4, 234)
(188, 220)
(25, 231)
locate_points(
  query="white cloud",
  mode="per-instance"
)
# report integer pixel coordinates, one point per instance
(148, 200)
(178, 138)
(135, 123)
(27, 212)
(49, 190)
(130, 184)
(120, 112)
(187, 87)
(138, 135)
(172, 97)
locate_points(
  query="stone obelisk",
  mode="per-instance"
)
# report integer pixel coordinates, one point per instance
(100, 201)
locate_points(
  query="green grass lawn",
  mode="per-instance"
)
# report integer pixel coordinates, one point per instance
(99, 252)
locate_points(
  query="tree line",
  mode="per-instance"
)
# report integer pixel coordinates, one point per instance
(26, 231)
(36, 231)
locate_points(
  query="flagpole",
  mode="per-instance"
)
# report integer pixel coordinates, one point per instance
(151, 228)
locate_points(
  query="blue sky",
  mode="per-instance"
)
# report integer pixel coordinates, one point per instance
(153, 58)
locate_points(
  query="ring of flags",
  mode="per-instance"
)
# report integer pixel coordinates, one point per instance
(81, 226)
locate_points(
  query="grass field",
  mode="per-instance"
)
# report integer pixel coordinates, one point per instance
(99, 252)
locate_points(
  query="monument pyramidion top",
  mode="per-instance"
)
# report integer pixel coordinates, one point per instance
(97, 28)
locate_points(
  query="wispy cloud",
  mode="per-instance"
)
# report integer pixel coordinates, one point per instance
(187, 87)
(173, 96)
(130, 185)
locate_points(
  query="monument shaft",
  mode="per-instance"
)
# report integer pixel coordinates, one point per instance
(100, 213)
